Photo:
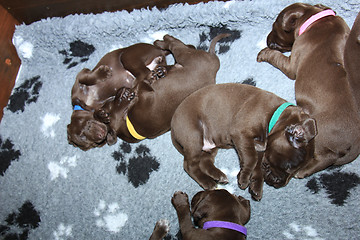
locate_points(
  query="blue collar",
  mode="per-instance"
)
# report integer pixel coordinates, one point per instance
(224, 224)
(78, 107)
(275, 117)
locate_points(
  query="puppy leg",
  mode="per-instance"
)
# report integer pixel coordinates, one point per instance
(181, 52)
(257, 180)
(160, 230)
(192, 167)
(245, 147)
(180, 201)
(207, 166)
(100, 74)
(278, 60)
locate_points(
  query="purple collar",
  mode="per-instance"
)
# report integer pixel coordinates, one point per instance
(223, 224)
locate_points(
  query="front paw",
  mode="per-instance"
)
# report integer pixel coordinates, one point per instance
(126, 94)
(243, 180)
(162, 227)
(102, 116)
(160, 72)
(256, 188)
(180, 199)
(263, 55)
(104, 72)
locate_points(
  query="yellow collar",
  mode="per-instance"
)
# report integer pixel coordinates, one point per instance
(132, 130)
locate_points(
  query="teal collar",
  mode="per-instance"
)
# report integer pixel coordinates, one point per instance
(277, 113)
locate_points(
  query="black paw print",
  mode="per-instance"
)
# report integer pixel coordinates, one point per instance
(26, 93)
(18, 224)
(337, 185)
(78, 52)
(7, 155)
(224, 44)
(137, 165)
(249, 81)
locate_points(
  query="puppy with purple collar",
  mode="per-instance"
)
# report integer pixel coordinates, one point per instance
(217, 214)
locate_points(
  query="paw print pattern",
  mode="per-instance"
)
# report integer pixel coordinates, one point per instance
(336, 184)
(48, 122)
(249, 81)
(19, 223)
(26, 93)
(7, 155)
(79, 52)
(224, 44)
(137, 165)
(297, 231)
(110, 217)
(61, 168)
(62, 232)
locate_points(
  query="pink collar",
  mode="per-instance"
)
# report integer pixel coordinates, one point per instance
(314, 18)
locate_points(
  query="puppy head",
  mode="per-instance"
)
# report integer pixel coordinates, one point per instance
(219, 205)
(287, 24)
(85, 132)
(289, 147)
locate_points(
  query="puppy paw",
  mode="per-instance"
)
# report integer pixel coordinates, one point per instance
(243, 180)
(180, 199)
(102, 116)
(256, 189)
(161, 44)
(160, 71)
(126, 94)
(104, 72)
(263, 55)
(162, 227)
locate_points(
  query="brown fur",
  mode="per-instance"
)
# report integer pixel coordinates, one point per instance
(211, 205)
(93, 88)
(237, 115)
(153, 107)
(322, 88)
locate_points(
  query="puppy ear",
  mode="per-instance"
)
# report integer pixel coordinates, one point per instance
(290, 20)
(299, 135)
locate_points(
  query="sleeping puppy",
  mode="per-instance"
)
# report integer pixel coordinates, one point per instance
(149, 114)
(272, 138)
(120, 68)
(323, 87)
(218, 214)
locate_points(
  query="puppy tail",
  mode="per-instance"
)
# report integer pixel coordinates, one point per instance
(215, 40)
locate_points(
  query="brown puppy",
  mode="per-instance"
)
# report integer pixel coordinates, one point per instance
(152, 109)
(237, 115)
(212, 205)
(352, 59)
(117, 69)
(321, 88)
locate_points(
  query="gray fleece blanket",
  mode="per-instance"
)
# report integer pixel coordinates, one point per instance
(52, 190)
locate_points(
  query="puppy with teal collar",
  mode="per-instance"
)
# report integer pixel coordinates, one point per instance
(272, 137)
